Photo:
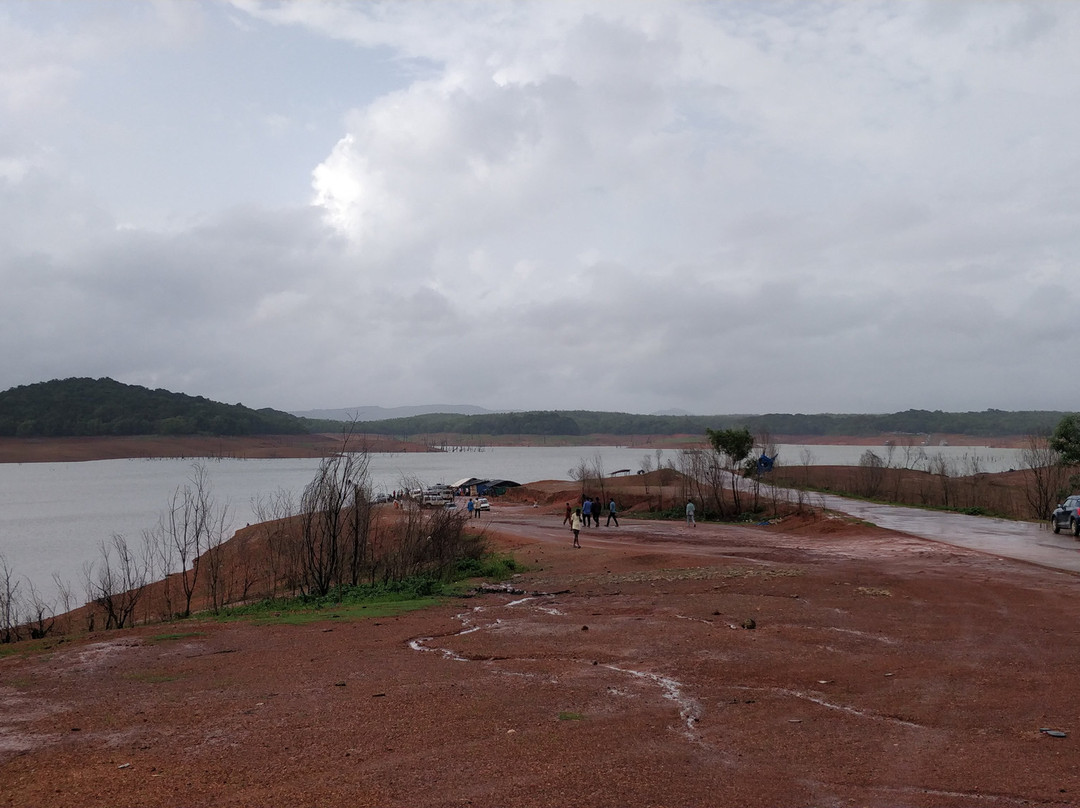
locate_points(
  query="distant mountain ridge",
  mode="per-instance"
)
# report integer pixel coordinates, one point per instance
(371, 413)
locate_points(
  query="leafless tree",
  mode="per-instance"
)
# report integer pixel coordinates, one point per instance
(213, 557)
(944, 472)
(1045, 475)
(282, 550)
(339, 482)
(581, 473)
(359, 528)
(40, 613)
(117, 582)
(598, 474)
(194, 523)
(871, 474)
(66, 598)
(164, 555)
(645, 467)
(10, 604)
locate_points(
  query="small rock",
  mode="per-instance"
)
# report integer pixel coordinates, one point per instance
(584, 628)
(749, 624)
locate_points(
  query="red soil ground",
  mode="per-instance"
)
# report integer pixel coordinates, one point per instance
(881, 670)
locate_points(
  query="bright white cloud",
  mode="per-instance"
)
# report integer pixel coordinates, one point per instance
(714, 206)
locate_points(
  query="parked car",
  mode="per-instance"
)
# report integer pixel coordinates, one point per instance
(482, 504)
(1067, 514)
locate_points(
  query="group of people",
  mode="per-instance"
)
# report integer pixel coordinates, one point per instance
(591, 510)
(589, 514)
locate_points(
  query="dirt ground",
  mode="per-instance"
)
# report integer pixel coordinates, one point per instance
(814, 662)
(60, 450)
(70, 450)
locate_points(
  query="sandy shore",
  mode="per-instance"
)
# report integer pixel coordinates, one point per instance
(56, 450)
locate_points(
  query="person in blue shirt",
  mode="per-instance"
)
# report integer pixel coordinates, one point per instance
(611, 513)
(586, 511)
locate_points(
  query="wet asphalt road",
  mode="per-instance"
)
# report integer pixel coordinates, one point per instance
(1026, 541)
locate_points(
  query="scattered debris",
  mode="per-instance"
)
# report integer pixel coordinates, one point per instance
(1053, 733)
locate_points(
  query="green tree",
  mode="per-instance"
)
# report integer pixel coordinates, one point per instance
(735, 444)
(1066, 439)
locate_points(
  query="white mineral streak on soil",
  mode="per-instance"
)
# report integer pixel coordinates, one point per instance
(689, 709)
(672, 689)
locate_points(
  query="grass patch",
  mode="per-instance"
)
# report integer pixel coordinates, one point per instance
(158, 638)
(493, 566)
(31, 647)
(567, 716)
(382, 599)
(290, 614)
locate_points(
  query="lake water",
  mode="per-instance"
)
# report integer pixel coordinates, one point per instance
(53, 516)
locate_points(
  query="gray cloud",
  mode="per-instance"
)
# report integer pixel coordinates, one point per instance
(718, 207)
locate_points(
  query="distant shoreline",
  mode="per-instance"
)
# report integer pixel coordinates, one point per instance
(69, 450)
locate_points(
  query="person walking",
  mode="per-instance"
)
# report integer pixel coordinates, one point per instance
(586, 511)
(569, 513)
(611, 513)
(690, 513)
(469, 507)
(575, 526)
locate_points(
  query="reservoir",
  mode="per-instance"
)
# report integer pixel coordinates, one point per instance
(53, 516)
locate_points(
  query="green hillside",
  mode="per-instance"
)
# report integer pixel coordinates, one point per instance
(93, 407)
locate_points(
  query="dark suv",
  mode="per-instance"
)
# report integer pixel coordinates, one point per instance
(1065, 515)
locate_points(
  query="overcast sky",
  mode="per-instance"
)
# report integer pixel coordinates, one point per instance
(716, 207)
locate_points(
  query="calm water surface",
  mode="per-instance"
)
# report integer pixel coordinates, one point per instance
(53, 516)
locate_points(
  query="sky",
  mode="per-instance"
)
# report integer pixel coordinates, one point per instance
(712, 207)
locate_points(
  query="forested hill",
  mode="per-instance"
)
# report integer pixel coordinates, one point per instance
(94, 407)
(989, 423)
(97, 407)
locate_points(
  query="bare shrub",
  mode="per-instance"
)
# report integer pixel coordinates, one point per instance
(118, 580)
(871, 474)
(1045, 476)
(10, 604)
